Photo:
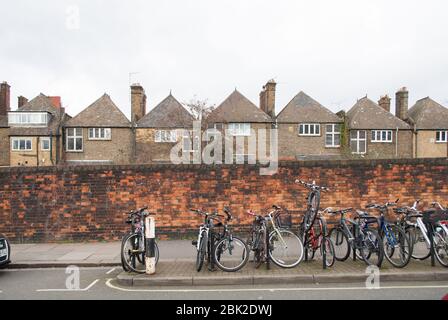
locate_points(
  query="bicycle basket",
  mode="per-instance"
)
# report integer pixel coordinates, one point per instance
(284, 220)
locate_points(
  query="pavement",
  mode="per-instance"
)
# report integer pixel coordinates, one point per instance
(176, 267)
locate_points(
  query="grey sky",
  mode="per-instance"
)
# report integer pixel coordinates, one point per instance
(336, 51)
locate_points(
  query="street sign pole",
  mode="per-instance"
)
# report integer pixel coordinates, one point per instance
(150, 234)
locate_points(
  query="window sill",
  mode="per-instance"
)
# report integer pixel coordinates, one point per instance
(310, 135)
(332, 147)
(73, 151)
(99, 139)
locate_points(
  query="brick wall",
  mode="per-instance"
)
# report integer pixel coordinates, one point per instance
(4, 147)
(89, 203)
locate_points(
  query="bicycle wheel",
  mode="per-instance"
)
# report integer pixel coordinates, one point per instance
(285, 248)
(341, 245)
(123, 263)
(201, 252)
(231, 254)
(396, 245)
(420, 248)
(371, 247)
(330, 258)
(441, 246)
(311, 213)
(131, 249)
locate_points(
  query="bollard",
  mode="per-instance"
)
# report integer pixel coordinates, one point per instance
(150, 234)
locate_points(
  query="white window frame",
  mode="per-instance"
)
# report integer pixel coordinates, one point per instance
(193, 142)
(42, 140)
(239, 129)
(304, 129)
(28, 119)
(377, 136)
(165, 136)
(75, 136)
(359, 141)
(440, 134)
(100, 134)
(333, 133)
(18, 149)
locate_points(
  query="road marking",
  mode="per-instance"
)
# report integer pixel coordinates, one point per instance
(110, 285)
(111, 270)
(70, 290)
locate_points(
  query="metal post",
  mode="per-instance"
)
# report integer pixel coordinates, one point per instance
(430, 234)
(150, 234)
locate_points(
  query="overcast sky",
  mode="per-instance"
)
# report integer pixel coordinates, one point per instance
(336, 51)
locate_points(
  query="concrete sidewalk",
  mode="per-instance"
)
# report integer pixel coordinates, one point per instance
(88, 254)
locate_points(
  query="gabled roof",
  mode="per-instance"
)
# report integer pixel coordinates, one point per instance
(41, 103)
(366, 114)
(303, 108)
(167, 114)
(428, 114)
(102, 113)
(237, 108)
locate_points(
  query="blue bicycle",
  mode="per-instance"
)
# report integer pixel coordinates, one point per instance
(397, 245)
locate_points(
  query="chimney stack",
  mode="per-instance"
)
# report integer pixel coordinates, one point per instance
(384, 103)
(5, 101)
(21, 102)
(402, 103)
(138, 102)
(267, 98)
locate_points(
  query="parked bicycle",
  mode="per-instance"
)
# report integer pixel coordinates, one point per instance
(133, 245)
(270, 241)
(356, 235)
(230, 253)
(313, 203)
(417, 231)
(397, 245)
(317, 239)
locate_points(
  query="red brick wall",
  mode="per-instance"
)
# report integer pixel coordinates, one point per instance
(89, 203)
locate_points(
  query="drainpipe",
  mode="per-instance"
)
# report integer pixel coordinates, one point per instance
(396, 144)
(51, 147)
(37, 150)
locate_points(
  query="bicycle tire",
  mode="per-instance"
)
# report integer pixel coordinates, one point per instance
(131, 266)
(416, 237)
(389, 249)
(279, 262)
(368, 234)
(218, 252)
(442, 254)
(329, 252)
(341, 244)
(201, 252)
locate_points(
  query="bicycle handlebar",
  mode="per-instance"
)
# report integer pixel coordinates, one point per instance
(311, 185)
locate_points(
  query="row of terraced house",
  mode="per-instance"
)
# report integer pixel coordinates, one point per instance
(40, 132)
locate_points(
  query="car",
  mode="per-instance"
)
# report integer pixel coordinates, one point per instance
(5, 251)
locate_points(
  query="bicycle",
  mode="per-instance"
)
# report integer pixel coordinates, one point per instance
(360, 238)
(206, 239)
(313, 203)
(269, 241)
(396, 244)
(230, 253)
(133, 245)
(318, 239)
(419, 236)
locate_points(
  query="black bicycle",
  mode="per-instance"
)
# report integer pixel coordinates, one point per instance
(313, 204)
(357, 235)
(230, 253)
(133, 245)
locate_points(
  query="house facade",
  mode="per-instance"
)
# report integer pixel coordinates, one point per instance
(100, 134)
(429, 120)
(308, 130)
(375, 133)
(35, 132)
(238, 120)
(157, 132)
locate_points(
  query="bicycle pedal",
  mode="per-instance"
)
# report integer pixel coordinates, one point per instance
(194, 243)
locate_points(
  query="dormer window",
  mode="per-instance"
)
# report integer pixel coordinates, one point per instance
(28, 119)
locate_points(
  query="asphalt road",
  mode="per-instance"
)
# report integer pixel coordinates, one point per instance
(98, 283)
